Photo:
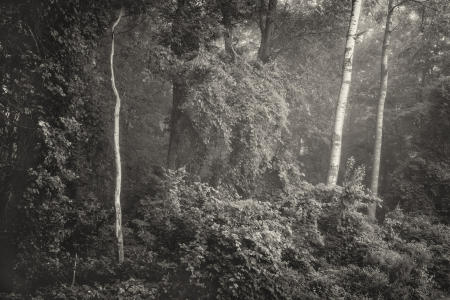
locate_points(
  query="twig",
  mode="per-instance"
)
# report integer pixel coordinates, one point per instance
(34, 39)
(140, 22)
(74, 270)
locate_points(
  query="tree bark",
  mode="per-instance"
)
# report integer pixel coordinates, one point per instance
(182, 134)
(335, 156)
(178, 123)
(118, 209)
(267, 26)
(227, 16)
(381, 101)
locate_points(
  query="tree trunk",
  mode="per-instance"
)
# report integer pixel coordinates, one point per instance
(119, 233)
(228, 39)
(381, 100)
(335, 156)
(178, 124)
(227, 11)
(182, 134)
(267, 26)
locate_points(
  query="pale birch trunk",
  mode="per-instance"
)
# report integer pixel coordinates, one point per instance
(118, 209)
(335, 157)
(381, 101)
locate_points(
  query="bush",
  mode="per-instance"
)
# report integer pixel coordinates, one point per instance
(192, 241)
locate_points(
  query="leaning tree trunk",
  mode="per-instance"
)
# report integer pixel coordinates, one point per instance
(335, 157)
(119, 233)
(381, 100)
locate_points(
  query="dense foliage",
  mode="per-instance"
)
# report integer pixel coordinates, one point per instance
(223, 151)
(190, 240)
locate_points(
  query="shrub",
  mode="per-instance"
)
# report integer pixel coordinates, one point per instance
(192, 241)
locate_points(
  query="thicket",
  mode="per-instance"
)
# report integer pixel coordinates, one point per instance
(242, 220)
(189, 240)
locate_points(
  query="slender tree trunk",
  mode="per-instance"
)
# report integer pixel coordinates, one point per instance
(267, 26)
(335, 157)
(228, 39)
(119, 233)
(381, 100)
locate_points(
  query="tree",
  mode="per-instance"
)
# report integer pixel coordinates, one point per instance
(45, 47)
(228, 10)
(119, 233)
(381, 99)
(335, 156)
(185, 44)
(266, 20)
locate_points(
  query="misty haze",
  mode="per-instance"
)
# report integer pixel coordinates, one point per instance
(225, 149)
